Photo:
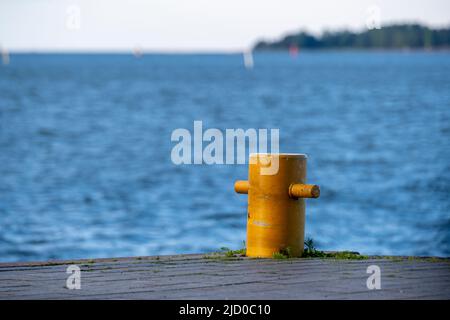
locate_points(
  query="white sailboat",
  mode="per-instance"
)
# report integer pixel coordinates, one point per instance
(5, 56)
(248, 59)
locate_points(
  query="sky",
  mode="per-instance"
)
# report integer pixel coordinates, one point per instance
(192, 25)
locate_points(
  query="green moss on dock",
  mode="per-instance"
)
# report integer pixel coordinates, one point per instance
(226, 253)
(310, 251)
(233, 253)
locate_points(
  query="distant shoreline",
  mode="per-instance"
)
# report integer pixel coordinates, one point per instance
(389, 37)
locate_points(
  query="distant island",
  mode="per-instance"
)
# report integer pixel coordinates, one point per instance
(396, 36)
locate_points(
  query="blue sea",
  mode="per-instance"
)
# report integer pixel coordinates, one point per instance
(85, 146)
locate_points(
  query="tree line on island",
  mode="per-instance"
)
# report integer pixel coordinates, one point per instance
(396, 36)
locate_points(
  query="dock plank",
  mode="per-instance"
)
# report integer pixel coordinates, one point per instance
(220, 277)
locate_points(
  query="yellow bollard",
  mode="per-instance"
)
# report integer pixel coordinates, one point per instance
(276, 205)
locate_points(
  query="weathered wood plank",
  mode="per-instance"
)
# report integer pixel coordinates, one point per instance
(219, 277)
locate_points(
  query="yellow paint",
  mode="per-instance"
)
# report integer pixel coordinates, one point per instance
(276, 205)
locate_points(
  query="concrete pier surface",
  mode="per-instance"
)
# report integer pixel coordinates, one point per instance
(216, 276)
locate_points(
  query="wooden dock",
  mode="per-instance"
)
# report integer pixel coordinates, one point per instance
(221, 277)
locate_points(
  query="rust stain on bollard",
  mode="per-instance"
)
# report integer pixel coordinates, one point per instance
(298, 190)
(276, 205)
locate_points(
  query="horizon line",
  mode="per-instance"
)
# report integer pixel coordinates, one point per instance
(214, 52)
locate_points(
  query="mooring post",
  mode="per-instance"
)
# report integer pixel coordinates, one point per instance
(276, 205)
